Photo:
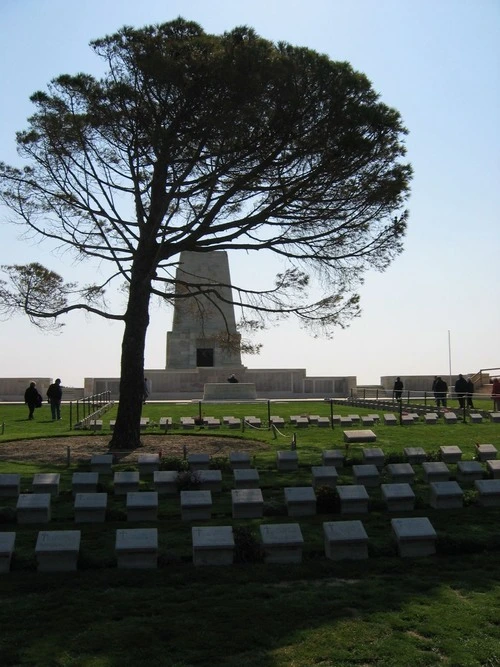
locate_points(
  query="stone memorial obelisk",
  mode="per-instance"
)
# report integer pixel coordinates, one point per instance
(204, 327)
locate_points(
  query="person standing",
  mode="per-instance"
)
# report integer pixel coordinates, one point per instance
(441, 388)
(54, 394)
(461, 390)
(32, 398)
(495, 394)
(470, 393)
(232, 379)
(397, 390)
(434, 390)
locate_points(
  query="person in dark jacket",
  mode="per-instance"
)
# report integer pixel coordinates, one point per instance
(461, 390)
(470, 393)
(397, 390)
(232, 379)
(54, 394)
(32, 398)
(441, 389)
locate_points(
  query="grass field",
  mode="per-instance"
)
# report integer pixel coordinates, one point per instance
(443, 610)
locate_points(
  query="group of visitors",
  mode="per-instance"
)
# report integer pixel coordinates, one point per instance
(464, 390)
(33, 399)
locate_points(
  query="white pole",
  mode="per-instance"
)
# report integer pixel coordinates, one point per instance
(449, 356)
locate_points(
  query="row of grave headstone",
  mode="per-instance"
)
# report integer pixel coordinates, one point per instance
(303, 421)
(137, 548)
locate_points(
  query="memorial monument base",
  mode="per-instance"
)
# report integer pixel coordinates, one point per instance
(227, 391)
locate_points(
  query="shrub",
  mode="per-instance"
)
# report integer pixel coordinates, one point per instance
(220, 463)
(188, 480)
(274, 508)
(173, 463)
(247, 548)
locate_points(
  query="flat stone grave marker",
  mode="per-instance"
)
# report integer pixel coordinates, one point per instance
(112, 424)
(345, 540)
(415, 454)
(277, 421)
(476, 418)
(144, 423)
(373, 455)
(7, 541)
(345, 421)
(390, 420)
(212, 422)
(84, 482)
(431, 418)
(165, 423)
(212, 545)
(398, 497)
(33, 508)
(148, 463)
(415, 536)
(210, 480)
(354, 418)
(10, 484)
(469, 471)
(95, 424)
(436, 471)
(401, 473)
(446, 495)
(414, 415)
(407, 420)
(450, 417)
(333, 457)
(336, 419)
(488, 492)
(300, 500)
(367, 420)
(366, 475)
(187, 422)
(239, 460)
(253, 421)
(495, 417)
(165, 482)
(313, 419)
(137, 548)
(324, 476)
(125, 481)
(353, 499)
(247, 503)
(233, 422)
(142, 506)
(364, 435)
(486, 452)
(450, 453)
(46, 482)
(101, 463)
(323, 422)
(90, 507)
(57, 550)
(246, 478)
(375, 417)
(196, 505)
(287, 460)
(199, 461)
(282, 542)
(301, 422)
(493, 468)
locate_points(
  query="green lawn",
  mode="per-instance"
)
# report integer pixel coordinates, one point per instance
(443, 610)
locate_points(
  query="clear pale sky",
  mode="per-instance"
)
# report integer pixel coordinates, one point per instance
(436, 61)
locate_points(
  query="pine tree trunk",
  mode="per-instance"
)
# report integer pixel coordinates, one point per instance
(127, 431)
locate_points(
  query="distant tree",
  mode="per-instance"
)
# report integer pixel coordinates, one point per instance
(206, 142)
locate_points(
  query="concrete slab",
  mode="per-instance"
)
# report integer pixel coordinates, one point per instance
(450, 417)
(415, 454)
(345, 540)
(165, 482)
(239, 460)
(57, 550)
(431, 418)
(210, 480)
(148, 464)
(333, 457)
(488, 492)
(493, 468)
(353, 499)
(484, 452)
(415, 536)
(374, 456)
(366, 475)
(7, 541)
(46, 482)
(196, 505)
(246, 478)
(84, 482)
(142, 506)
(436, 471)
(90, 507)
(10, 485)
(212, 545)
(390, 419)
(287, 460)
(33, 508)
(125, 481)
(363, 435)
(101, 463)
(450, 454)
(401, 473)
(282, 543)
(137, 548)
(324, 476)
(247, 503)
(199, 461)
(469, 471)
(446, 495)
(398, 497)
(300, 500)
